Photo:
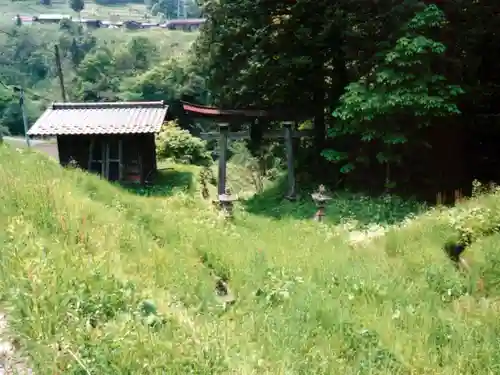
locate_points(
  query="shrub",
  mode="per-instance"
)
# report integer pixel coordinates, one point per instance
(178, 144)
(473, 222)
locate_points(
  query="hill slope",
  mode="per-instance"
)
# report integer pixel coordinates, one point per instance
(96, 280)
(120, 12)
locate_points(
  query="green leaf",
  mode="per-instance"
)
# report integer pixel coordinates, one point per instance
(382, 158)
(333, 155)
(384, 104)
(346, 168)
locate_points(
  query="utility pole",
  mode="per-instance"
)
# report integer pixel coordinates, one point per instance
(23, 111)
(59, 72)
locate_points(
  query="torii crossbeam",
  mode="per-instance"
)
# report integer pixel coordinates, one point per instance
(224, 119)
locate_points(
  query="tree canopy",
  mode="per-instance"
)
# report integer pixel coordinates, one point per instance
(372, 76)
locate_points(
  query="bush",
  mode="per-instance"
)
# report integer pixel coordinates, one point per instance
(178, 144)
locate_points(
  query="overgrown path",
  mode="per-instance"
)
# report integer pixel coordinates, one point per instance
(11, 360)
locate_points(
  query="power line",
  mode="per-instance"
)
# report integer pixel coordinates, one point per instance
(17, 88)
(7, 33)
(10, 87)
(4, 85)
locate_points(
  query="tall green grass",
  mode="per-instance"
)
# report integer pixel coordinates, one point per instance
(98, 280)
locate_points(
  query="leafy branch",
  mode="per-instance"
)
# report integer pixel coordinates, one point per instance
(398, 96)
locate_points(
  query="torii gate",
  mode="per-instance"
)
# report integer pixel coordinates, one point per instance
(225, 118)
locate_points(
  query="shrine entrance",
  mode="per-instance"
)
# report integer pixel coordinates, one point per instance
(230, 122)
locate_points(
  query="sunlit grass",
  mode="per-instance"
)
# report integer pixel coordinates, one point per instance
(80, 257)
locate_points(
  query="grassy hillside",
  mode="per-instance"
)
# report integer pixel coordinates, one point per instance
(98, 280)
(168, 42)
(32, 52)
(165, 39)
(122, 12)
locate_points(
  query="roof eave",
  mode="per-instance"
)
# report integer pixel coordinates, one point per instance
(37, 134)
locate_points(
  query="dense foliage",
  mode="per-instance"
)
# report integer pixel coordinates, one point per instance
(96, 66)
(180, 146)
(372, 79)
(387, 71)
(171, 9)
(77, 5)
(402, 90)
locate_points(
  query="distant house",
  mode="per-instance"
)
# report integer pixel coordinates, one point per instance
(132, 25)
(149, 25)
(111, 24)
(51, 18)
(113, 139)
(187, 24)
(91, 23)
(24, 19)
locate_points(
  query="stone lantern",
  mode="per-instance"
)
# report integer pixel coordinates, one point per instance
(226, 202)
(320, 199)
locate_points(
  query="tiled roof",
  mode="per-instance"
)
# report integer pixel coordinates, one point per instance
(101, 118)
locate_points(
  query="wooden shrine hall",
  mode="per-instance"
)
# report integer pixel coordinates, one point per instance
(113, 139)
(230, 122)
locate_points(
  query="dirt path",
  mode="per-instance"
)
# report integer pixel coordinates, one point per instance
(47, 147)
(11, 363)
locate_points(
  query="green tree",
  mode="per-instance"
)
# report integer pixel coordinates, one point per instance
(166, 7)
(178, 144)
(163, 82)
(286, 55)
(97, 77)
(104, 70)
(77, 6)
(169, 8)
(6, 98)
(75, 41)
(399, 96)
(193, 10)
(11, 120)
(142, 52)
(27, 55)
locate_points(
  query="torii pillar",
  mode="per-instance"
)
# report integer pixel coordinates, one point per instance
(223, 136)
(292, 190)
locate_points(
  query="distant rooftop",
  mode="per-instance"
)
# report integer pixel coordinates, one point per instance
(53, 16)
(186, 21)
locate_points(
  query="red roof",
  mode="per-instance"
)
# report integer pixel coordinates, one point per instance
(281, 114)
(213, 111)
